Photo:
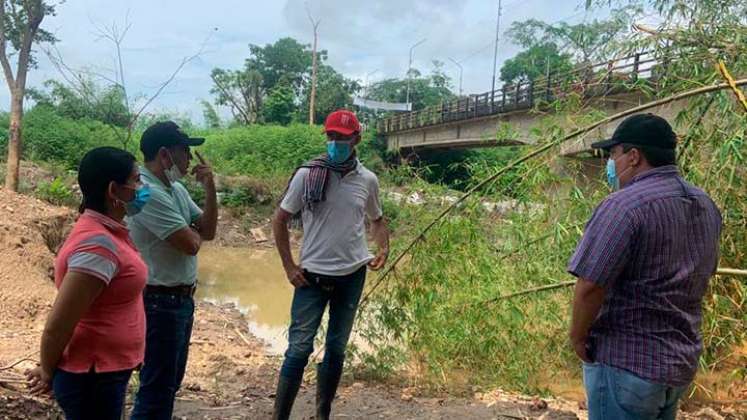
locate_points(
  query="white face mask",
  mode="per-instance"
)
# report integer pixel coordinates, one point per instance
(173, 174)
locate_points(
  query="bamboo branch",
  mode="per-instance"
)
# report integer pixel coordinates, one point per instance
(538, 151)
(720, 271)
(730, 80)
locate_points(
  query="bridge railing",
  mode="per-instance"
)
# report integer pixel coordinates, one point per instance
(588, 81)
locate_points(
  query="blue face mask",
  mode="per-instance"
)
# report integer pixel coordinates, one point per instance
(612, 178)
(339, 151)
(142, 195)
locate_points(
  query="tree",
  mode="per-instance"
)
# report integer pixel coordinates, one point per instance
(285, 59)
(334, 91)
(212, 119)
(425, 91)
(279, 106)
(586, 42)
(77, 79)
(535, 62)
(105, 104)
(241, 91)
(21, 20)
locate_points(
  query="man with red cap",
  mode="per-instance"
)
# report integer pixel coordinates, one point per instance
(334, 194)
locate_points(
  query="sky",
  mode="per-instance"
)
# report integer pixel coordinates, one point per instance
(365, 40)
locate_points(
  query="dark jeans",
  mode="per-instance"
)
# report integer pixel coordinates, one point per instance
(169, 327)
(94, 396)
(343, 294)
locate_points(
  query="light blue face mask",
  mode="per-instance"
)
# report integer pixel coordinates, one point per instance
(339, 151)
(142, 195)
(612, 178)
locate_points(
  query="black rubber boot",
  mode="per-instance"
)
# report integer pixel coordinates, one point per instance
(284, 397)
(326, 387)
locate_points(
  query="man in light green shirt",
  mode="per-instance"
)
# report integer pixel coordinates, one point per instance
(169, 232)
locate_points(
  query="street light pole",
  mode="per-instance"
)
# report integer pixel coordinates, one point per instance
(409, 69)
(461, 71)
(365, 89)
(495, 51)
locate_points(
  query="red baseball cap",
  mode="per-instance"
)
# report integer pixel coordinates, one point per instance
(342, 121)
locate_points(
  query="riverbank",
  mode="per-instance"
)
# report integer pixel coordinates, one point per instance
(231, 374)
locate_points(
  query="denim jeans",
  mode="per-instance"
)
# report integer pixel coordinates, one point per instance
(616, 394)
(94, 396)
(343, 294)
(169, 327)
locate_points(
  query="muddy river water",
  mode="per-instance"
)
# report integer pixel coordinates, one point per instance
(253, 280)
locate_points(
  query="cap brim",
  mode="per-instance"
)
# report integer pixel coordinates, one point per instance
(341, 130)
(194, 141)
(605, 144)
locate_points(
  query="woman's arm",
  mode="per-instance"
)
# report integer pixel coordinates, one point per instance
(77, 293)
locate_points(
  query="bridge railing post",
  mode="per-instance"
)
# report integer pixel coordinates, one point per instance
(516, 95)
(548, 88)
(503, 98)
(531, 93)
(636, 65)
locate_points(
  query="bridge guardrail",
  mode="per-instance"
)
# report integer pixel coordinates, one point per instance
(590, 81)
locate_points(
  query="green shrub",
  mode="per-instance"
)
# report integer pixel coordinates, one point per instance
(57, 193)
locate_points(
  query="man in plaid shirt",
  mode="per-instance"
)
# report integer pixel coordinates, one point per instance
(643, 266)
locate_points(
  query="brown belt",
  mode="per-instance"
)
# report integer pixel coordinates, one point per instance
(184, 290)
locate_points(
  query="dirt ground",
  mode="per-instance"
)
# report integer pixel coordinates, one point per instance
(230, 374)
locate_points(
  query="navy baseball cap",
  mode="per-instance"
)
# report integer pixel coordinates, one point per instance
(165, 134)
(646, 130)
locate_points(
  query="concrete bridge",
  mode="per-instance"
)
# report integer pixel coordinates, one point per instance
(511, 115)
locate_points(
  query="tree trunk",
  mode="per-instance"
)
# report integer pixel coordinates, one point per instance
(313, 81)
(14, 140)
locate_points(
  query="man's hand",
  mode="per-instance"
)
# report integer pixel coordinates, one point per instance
(295, 276)
(39, 382)
(379, 261)
(202, 171)
(579, 346)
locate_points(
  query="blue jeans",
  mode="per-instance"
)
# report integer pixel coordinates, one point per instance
(91, 395)
(169, 327)
(616, 394)
(343, 294)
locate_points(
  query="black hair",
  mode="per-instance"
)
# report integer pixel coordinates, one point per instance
(98, 168)
(655, 156)
(150, 155)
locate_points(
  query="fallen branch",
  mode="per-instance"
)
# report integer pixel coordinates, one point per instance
(538, 151)
(720, 271)
(21, 360)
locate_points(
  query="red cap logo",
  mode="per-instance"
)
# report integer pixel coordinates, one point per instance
(342, 121)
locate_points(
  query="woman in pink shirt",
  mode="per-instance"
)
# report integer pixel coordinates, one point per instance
(95, 334)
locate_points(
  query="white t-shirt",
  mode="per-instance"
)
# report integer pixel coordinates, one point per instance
(334, 240)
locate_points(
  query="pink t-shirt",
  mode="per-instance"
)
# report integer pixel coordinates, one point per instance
(111, 334)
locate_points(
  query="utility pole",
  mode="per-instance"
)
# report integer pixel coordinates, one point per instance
(409, 70)
(461, 71)
(495, 51)
(312, 99)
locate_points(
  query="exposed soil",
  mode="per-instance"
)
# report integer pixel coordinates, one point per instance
(230, 375)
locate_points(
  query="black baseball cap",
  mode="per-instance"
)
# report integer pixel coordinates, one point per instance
(647, 130)
(165, 134)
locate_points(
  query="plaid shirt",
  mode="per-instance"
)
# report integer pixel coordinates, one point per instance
(653, 246)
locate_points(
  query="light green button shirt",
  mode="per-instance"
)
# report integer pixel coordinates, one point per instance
(168, 210)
